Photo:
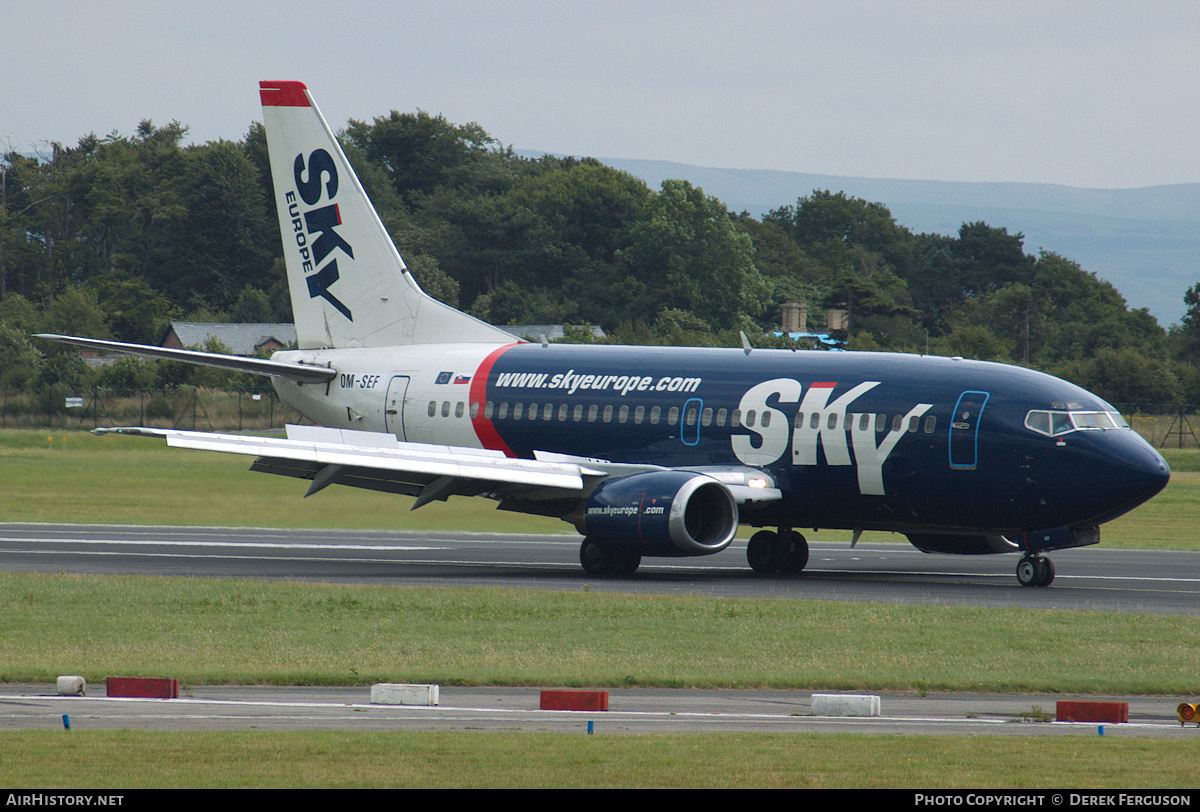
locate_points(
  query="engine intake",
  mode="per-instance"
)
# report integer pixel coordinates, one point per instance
(663, 513)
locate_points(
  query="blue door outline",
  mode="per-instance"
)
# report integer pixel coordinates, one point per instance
(964, 429)
(690, 435)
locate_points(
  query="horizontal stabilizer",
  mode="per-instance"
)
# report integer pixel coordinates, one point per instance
(301, 373)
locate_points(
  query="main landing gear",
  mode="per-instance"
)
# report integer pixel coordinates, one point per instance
(1035, 570)
(785, 551)
(595, 560)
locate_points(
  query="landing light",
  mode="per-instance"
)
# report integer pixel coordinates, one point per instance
(757, 482)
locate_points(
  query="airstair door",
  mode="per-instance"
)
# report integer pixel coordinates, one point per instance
(393, 406)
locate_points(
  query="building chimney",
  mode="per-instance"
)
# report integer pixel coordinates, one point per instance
(795, 317)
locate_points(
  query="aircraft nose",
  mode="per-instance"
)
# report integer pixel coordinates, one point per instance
(1132, 471)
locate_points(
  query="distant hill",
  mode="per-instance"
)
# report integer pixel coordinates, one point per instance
(1146, 241)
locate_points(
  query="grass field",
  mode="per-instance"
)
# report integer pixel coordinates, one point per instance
(46, 760)
(204, 631)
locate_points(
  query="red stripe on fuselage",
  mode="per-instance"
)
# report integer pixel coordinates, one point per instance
(484, 430)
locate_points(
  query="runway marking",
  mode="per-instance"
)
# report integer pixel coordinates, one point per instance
(231, 544)
(450, 543)
(467, 714)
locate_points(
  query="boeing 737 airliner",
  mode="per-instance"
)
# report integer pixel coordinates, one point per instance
(653, 451)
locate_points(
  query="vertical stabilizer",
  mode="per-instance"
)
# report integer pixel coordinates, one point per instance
(348, 283)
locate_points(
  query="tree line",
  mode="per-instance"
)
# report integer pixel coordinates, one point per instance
(118, 235)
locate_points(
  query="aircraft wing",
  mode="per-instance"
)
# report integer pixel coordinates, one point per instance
(377, 461)
(302, 373)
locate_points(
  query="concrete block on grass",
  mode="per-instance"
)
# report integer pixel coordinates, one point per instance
(845, 705)
(71, 686)
(398, 693)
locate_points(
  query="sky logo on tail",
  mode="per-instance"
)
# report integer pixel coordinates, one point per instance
(315, 228)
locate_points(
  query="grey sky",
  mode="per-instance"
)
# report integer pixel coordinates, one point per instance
(1094, 94)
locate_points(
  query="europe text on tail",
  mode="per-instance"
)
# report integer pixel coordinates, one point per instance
(653, 451)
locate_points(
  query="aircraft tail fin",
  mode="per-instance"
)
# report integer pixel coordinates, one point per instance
(349, 286)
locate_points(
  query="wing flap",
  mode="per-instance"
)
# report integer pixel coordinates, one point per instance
(375, 456)
(380, 462)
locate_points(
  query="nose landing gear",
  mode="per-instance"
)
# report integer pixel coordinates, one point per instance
(1035, 570)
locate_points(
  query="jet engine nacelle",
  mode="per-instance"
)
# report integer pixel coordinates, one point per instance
(662, 513)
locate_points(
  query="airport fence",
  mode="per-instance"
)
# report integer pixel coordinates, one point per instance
(1164, 425)
(205, 409)
(182, 407)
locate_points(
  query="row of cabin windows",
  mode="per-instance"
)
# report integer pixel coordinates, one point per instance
(654, 415)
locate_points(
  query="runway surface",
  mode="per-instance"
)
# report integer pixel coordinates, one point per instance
(516, 710)
(1089, 578)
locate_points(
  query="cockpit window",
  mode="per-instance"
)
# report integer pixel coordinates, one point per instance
(1056, 423)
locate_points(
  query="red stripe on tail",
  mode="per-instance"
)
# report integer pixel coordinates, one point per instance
(283, 94)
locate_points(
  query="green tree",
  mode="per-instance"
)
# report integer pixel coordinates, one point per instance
(688, 252)
(587, 204)
(252, 307)
(230, 242)
(130, 198)
(421, 153)
(132, 310)
(23, 361)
